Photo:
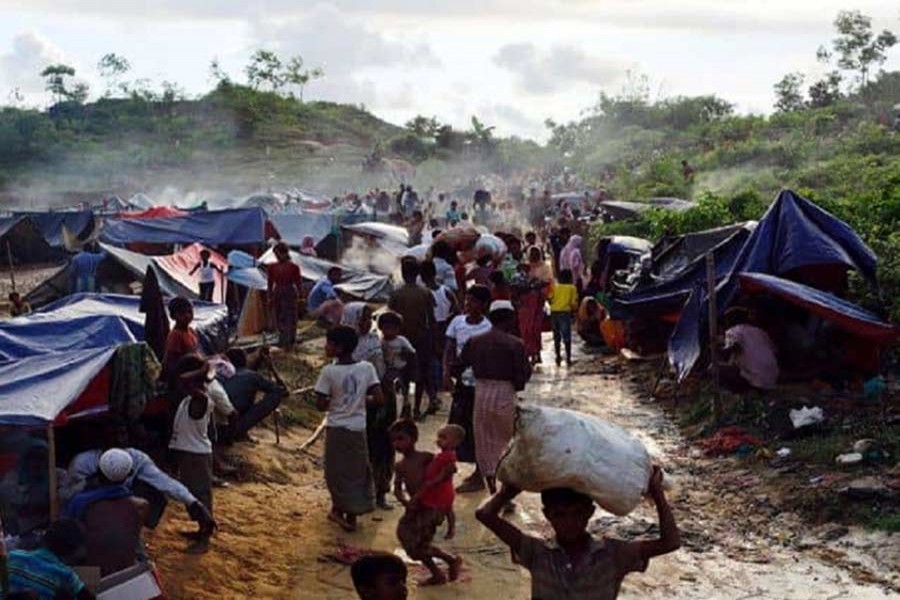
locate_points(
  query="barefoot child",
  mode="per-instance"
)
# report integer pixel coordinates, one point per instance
(399, 356)
(575, 565)
(563, 299)
(379, 576)
(343, 390)
(418, 525)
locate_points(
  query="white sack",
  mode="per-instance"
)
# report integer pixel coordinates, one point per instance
(553, 447)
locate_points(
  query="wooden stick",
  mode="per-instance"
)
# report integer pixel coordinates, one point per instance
(51, 472)
(713, 333)
(315, 436)
(12, 270)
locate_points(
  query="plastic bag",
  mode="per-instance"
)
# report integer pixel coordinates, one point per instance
(554, 447)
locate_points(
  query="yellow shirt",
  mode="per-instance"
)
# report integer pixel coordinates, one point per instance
(564, 298)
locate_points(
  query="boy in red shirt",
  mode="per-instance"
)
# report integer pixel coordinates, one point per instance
(429, 484)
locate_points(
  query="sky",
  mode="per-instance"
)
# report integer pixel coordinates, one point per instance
(513, 63)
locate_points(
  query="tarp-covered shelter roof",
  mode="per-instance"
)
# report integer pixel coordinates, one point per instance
(172, 273)
(21, 238)
(78, 223)
(793, 234)
(842, 313)
(231, 227)
(356, 283)
(155, 212)
(294, 227)
(621, 209)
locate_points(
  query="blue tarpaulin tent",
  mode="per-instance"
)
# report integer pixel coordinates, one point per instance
(293, 228)
(232, 227)
(793, 234)
(78, 223)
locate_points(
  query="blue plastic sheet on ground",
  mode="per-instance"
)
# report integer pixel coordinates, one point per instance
(232, 227)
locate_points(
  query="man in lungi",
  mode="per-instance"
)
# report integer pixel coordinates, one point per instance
(501, 366)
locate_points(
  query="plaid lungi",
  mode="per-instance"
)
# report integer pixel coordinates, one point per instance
(495, 415)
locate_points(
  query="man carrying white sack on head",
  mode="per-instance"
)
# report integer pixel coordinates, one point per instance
(575, 460)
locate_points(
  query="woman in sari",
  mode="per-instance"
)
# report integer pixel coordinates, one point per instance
(572, 259)
(531, 304)
(358, 315)
(283, 294)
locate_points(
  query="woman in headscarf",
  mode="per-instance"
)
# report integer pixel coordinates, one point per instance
(283, 294)
(531, 303)
(308, 247)
(358, 315)
(571, 258)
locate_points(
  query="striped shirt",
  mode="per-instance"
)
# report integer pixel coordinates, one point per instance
(42, 572)
(597, 577)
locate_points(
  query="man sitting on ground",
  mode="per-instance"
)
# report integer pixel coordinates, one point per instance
(323, 302)
(111, 515)
(243, 388)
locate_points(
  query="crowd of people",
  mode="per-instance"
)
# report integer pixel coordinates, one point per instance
(471, 329)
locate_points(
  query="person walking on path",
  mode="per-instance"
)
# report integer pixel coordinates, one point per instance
(563, 304)
(571, 258)
(208, 272)
(501, 367)
(459, 332)
(531, 303)
(284, 294)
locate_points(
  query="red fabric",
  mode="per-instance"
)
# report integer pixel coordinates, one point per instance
(180, 265)
(531, 320)
(179, 343)
(94, 395)
(728, 440)
(157, 212)
(440, 496)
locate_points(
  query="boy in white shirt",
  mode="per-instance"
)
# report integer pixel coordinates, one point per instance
(343, 390)
(190, 435)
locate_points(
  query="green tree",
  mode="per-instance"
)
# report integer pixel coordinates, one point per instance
(481, 136)
(826, 91)
(55, 76)
(218, 74)
(79, 92)
(857, 47)
(112, 68)
(265, 68)
(426, 127)
(295, 74)
(788, 93)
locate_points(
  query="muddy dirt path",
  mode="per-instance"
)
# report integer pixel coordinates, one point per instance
(735, 547)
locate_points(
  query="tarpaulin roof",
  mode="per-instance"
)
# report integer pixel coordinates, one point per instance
(294, 227)
(842, 313)
(355, 282)
(85, 321)
(232, 227)
(37, 389)
(794, 233)
(155, 212)
(26, 242)
(667, 286)
(626, 244)
(672, 254)
(627, 210)
(78, 223)
(172, 272)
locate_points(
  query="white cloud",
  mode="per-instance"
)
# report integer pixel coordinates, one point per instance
(561, 67)
(30, 54)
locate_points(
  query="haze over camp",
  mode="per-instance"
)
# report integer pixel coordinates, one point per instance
(555, 300)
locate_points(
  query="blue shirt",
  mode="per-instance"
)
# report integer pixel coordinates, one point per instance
(322, 291)
(42, 572)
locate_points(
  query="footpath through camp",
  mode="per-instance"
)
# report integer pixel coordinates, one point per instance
(743, 534)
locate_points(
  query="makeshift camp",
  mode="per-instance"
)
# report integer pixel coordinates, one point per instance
(241, 227)
(122, 269)
(22, 242)
(795, 240)
(293, 228)
(620, 253)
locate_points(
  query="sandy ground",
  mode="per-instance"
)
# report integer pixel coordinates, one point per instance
(274, 537)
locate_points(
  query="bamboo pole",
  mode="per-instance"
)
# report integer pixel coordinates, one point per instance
(51, 472)
(713, 334)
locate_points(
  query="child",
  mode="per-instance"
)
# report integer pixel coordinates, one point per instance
(17, 306)
(207, 275)
(343, 390)
(379, 576)
(563, 303)
(575, 564)
(399, 356)
(182, 340)
(429, 483)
